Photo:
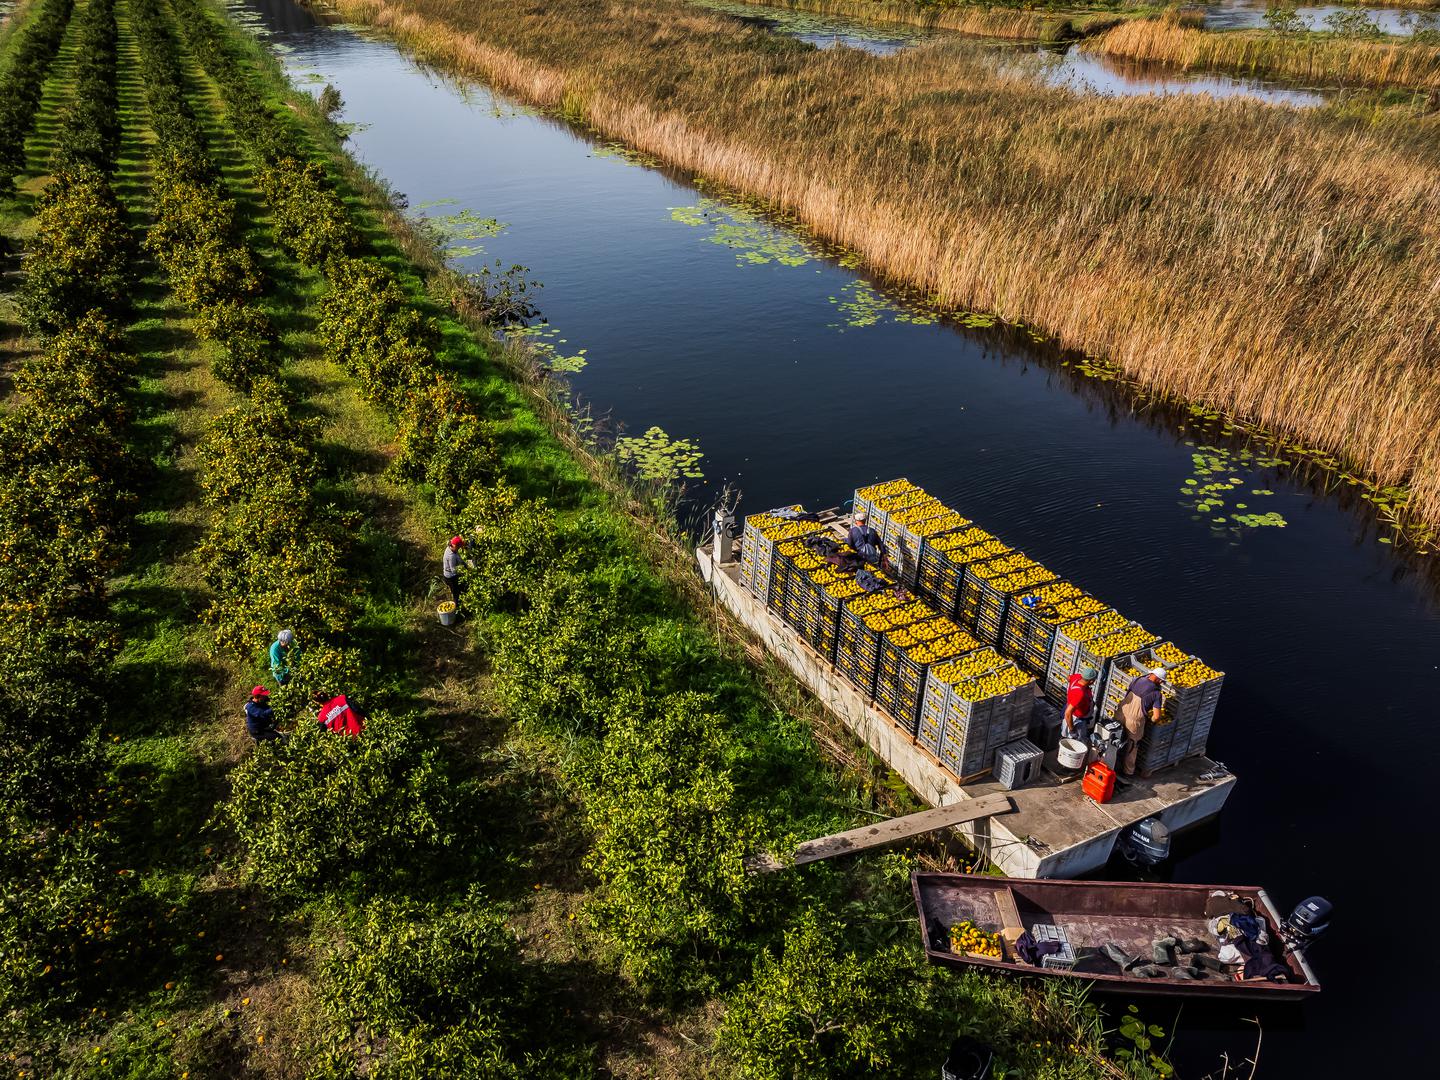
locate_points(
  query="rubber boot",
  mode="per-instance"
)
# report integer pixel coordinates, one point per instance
(1120, 956)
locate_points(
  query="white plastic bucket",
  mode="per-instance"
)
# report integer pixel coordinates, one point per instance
(446, 611)
(1071, 754)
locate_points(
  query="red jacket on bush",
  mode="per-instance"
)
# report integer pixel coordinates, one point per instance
(338, 714)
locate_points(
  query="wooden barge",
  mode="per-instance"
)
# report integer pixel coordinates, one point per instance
(1053, 831)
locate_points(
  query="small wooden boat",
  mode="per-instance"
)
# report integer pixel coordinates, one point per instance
(1090, 915)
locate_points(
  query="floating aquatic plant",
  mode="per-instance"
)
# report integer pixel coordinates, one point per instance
(544, 342)
(863, 305)
(620, 152)
(755, 241)
(1209, 489)
(466, 225)
(657, 456)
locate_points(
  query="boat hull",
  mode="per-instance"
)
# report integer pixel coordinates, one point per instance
(1127, 914)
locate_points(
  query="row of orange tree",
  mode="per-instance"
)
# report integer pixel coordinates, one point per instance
(196, 237)
(278, 552)
(23, 82)
(66, 496)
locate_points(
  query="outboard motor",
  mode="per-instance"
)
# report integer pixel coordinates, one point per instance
(969, 1059)
(1308, 921)
(1146, 843)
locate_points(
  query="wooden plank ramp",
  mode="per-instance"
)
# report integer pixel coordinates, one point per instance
(895, 830)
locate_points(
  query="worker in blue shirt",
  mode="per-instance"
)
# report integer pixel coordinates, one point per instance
(260, 723)
(1140, 705)
(866, 541)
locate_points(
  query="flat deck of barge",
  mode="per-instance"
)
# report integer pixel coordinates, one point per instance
(1055, 831)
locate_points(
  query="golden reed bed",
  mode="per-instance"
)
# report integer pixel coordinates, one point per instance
(1315, 60)
(1280, 264)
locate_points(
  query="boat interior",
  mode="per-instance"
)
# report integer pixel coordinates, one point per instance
(1130, 919)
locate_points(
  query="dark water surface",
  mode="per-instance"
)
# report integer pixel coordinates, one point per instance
(799, 381)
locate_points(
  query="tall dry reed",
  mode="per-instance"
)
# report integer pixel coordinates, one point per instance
(961, 19)
(1280, 264)
(1325, 60)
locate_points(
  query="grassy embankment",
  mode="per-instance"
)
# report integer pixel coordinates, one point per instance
(1314, 58)
(1271, 263)
(459, 892)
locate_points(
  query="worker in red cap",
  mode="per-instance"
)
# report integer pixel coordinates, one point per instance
(450, 567)
(260, 718)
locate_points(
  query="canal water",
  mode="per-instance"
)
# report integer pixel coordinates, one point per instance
(798, 380)
(1241, 14)
(1055, 65)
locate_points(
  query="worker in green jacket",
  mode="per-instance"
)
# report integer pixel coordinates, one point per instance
(283, 655)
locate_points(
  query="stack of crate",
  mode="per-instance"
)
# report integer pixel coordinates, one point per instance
(819, 600)
(790, 571)
(1189, 694)
(862, 621)
(1069, 639)
(972, 706)
(757, 548)
(905, 657)
(874, 500)
(943, 562)
(1048, 627)
(908, 528)
(1030, 622)
(987, 588)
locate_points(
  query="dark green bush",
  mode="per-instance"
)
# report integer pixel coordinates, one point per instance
(820, 1012)
(324, 810)
(90, 124)
(196, 237)
(445, 991)
(670, 839)
(60, 903)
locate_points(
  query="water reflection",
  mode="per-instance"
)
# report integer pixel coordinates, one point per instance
(1242, 14)
(1095, 73)
(1067, 67)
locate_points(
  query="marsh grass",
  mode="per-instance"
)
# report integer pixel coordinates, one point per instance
(972, 19)
(1313, 58)
(1275, 264)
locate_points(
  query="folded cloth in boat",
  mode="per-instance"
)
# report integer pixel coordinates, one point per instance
(1032, 951)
